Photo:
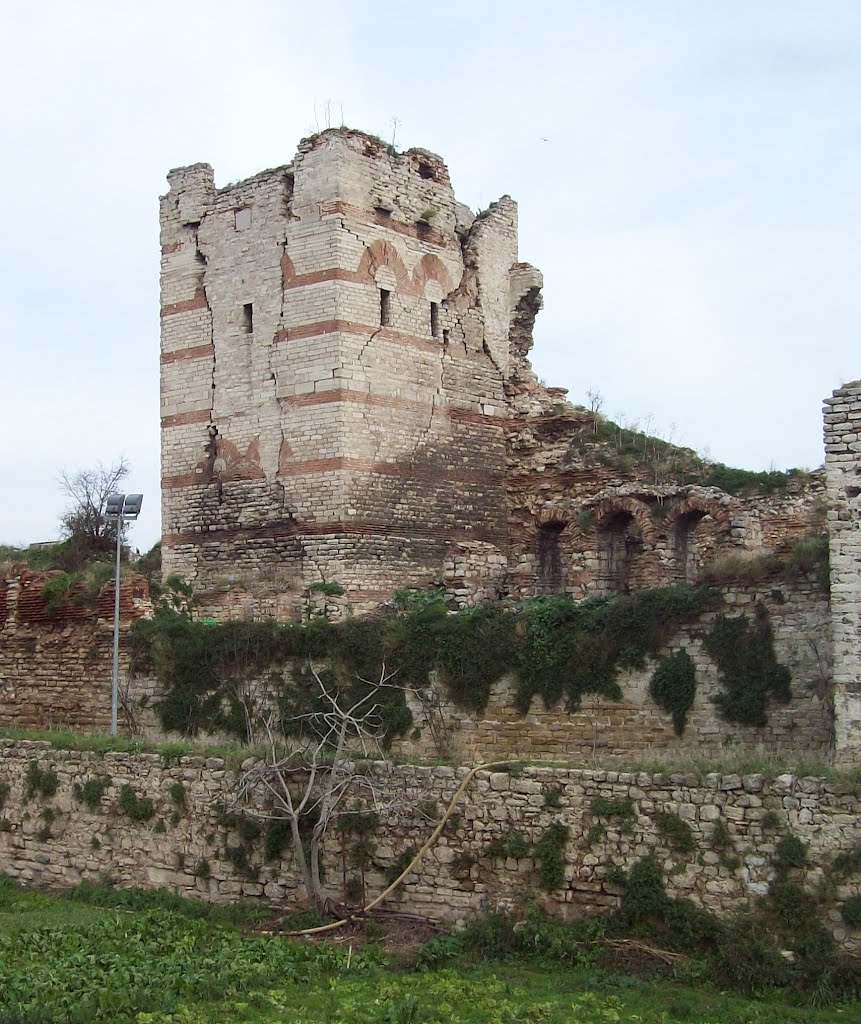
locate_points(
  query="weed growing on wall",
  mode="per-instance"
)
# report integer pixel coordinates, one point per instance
(90, 793)
(39, 781)
(675, 832)
(138, 809)
(673, 687)
(749, 671)
(550, 854)
(513, 844)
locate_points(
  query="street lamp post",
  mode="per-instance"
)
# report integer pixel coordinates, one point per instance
(119, 509)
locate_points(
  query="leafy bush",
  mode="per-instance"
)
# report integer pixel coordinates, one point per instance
(549, 852)
(514, 844)
(851, 911)
(91, 792)
(791, 852)
(39, 781)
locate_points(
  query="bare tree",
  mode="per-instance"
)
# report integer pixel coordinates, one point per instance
(84, 521)
(310, 768)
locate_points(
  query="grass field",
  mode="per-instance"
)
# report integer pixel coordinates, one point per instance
(153, 959)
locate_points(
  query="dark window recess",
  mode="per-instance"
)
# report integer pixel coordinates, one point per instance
(248, 318)
(426, 172)
(385, 307)
(550, 576)
(434, 319)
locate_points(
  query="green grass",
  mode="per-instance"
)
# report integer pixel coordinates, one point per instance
(100, 954)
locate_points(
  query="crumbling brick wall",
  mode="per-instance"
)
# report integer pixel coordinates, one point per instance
(55, 666)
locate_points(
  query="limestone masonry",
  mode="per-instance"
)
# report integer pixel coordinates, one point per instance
(735, 821)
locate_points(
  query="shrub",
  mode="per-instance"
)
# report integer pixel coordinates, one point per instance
(138, 809)
(277, 839)
(675, 832)
(177, 793)
(41, 781)
(851, 911)
(91, 792)
(791, 852)
(514, 844)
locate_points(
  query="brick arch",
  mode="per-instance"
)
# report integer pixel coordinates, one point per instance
(638, 511)
(707, 506)
(553, 516)
(383, 254)
(430, 268)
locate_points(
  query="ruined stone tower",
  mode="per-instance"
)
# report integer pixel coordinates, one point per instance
(337, 337)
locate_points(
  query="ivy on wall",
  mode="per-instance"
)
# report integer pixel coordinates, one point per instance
(748, 668)
(557, 648)
(673, 687)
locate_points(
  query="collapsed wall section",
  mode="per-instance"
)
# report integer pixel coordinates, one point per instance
(842, 416)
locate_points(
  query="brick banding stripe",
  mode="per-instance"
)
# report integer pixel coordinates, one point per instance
(337, 464)
(386, 334)
(180, 419)
(198, 301)
(196, 352)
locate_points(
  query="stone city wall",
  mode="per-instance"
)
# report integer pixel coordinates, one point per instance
(182, 841)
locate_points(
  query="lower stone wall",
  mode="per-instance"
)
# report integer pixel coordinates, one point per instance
(735, 823)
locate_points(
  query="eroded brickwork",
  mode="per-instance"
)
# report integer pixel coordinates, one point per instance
(843, 474)
(55, 666)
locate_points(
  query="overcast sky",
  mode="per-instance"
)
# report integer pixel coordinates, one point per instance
(687, 172)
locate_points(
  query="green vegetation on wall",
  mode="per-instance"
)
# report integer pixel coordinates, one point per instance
(673, 687)
(555, 646)
(748, 667)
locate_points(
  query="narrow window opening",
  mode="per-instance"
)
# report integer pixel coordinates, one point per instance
(248, 317)
(551, 578)
(445, 336)
(434, 319)
(385, 307)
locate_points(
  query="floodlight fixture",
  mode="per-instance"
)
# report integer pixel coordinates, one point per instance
(118, 509)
